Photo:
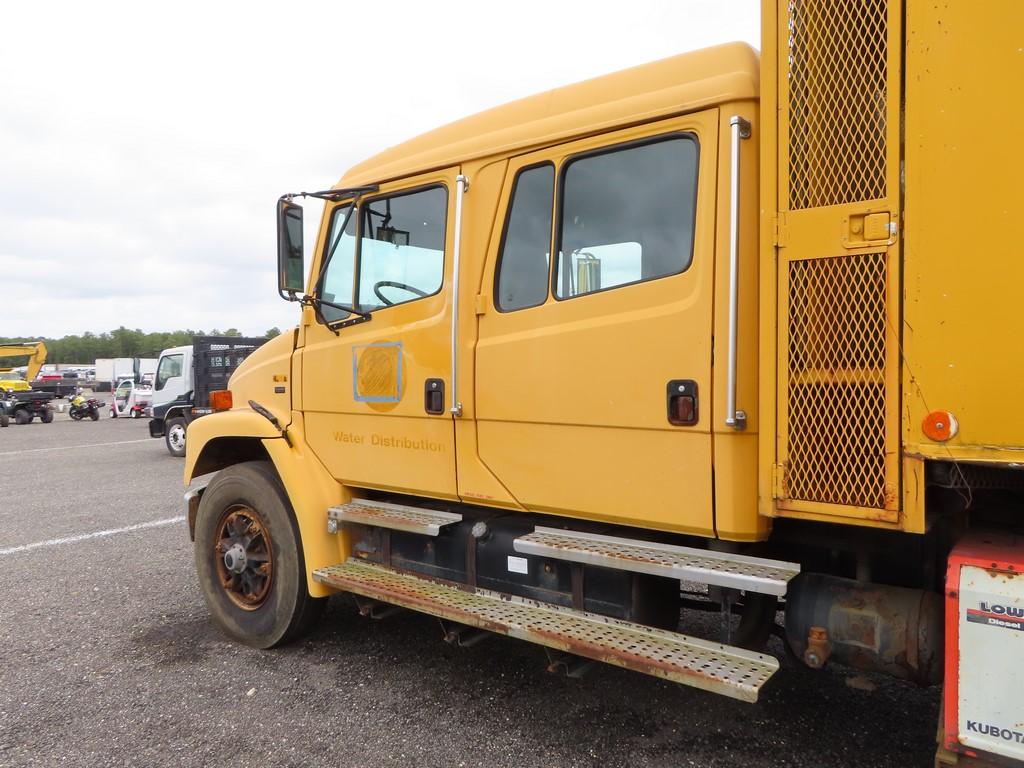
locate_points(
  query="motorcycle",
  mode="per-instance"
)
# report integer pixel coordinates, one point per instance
(81, 407)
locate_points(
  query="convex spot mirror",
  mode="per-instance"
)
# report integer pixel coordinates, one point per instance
(290, 254)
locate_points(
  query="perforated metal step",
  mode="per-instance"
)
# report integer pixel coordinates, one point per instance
(722, 569)
(395, 516)
(714, 667)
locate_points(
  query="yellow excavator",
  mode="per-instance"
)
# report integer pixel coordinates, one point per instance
(25, 408)
(36, 352)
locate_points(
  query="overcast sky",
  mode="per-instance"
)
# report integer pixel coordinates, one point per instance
(143, 145)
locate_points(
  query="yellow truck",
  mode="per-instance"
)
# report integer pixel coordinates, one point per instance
(742, 323)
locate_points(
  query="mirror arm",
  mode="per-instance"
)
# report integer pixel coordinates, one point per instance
(308, 300)
(330, 195)
(333, 195)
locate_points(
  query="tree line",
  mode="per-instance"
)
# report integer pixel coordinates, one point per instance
(122, 342)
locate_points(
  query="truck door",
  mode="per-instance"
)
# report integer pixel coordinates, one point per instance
(594, 367)
(364, 381)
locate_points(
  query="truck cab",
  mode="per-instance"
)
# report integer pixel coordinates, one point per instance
(172, 397)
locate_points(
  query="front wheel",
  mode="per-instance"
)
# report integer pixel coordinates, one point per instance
(46, 416)
(5, 420)
(94, 414)
(22, 417)
(175, 437)
(249, 558)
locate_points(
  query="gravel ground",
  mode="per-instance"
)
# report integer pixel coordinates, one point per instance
(107, 657)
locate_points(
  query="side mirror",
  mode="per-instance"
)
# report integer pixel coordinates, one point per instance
(290, 254)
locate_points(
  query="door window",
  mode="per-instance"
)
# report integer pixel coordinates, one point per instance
(626, 216)
(526, 248)
(401, 248)
(394, 255)
(169, 367)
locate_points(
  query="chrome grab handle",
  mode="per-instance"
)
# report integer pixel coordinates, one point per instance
(740, 130)
(462, 185)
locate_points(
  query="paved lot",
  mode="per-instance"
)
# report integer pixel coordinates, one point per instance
(107, 658)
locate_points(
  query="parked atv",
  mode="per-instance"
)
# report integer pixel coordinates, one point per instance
(25, 406)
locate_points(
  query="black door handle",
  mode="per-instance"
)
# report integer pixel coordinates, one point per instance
(682, 402)
(433, 396)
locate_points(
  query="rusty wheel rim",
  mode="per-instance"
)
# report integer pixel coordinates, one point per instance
(244, 557)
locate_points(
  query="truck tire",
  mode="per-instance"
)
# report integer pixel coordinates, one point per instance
(249, 558)
(46, 416)
(174, 436)
(22, 416)
(5, 420)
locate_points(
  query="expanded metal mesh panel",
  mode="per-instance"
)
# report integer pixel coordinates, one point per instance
(837, 79)
(836, 398)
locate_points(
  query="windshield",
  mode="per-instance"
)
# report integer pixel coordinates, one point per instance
(339, 276)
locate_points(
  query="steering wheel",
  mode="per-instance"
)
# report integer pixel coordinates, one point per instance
(393, 284)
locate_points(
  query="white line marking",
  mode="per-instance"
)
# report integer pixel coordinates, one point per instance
(72, 447)
(94, 535)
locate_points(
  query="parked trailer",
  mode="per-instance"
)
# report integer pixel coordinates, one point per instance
(706, 320)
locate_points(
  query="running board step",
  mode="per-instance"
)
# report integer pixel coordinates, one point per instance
(394, 516)
(721, 569)
(714, 667)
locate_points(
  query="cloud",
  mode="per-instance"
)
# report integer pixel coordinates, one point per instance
(144, 146)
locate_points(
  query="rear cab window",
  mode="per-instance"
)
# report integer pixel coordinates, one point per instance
(625, 215)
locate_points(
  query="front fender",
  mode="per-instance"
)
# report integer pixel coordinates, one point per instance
(236, 423)
(310, 487)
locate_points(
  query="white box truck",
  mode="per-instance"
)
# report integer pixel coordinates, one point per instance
(110, 370)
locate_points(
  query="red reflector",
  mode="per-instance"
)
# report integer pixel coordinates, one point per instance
(220, 400)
